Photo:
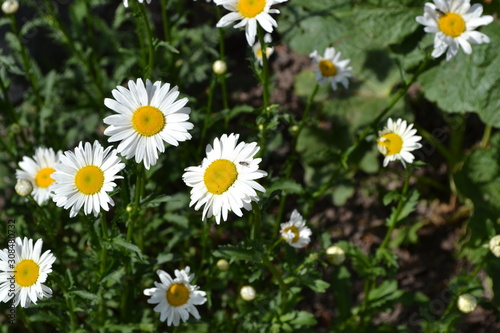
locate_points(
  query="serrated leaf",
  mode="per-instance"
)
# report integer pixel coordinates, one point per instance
(85, 295)
(122, 243)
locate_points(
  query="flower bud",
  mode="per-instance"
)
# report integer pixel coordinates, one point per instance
(219, 67)
(495, 245)
(222, 265)
(129, 208)
(335, 255)
(10, 6)
(466, 303)
(23, 187)
(247, 293)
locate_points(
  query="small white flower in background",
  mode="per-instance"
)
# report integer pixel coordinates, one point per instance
(125, 2)
(225, 180)
(219, 67)
(10, 6)
(38, 170)
(247, 293)
(295, 231)
(495, 245)
(467, 303)
(176, 297)
(335, 255)
(397, 140)
(30, 268)
(257, 49)
(223, 265)
(250, 12)
(454, 23)
(148, 115)
(23, 187)
(330, 68)
(84, 177)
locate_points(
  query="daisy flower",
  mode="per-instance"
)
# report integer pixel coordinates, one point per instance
(397, 140)
(331, 68)
(147, 116)
(38, 170)
(454, 22)
(176, 297)
(24, 269)
(125, 2)
(295, 231)
(225, 180)
(83, 177)
(250, 12)
(257, 49)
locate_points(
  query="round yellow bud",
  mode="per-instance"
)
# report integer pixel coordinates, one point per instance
(23, 187)
(219, 67)
(467, 303)
(495, 245)
(129, 208)
(223, 265)
(335, 255)
(10, 6)
(247, 293)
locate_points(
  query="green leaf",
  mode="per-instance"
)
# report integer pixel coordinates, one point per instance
(122, 243)
(318, 285)
(289, 186)
(303, 318)
(85, 295)
(238, 253)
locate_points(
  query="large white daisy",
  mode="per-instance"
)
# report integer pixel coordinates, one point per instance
(397, 140)
(250, 12)
(225, 180)
(454, 22)
(295, 231)
(147, 116)
(38, 171)
(24, 269)
(330, 68)
(83, 177)
(176, 297)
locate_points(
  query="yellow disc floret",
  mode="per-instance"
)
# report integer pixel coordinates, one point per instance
(251, 8)
(219, 176)
(148, 120)
(327, 68)
(451, 24)
(26, 273)
(391, 143)
(89, 179)
(43, 179)
(295, 232)
(177, 294)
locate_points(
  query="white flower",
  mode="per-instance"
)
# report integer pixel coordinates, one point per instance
(176, 297)
(467, 303)
(23, 187)
(330, 68)
(335, 255)
(83, 177)
(10, 6)
(454, 22)
(225, 180)
(23, 271)
(495, 245)
(257, 49)
(247, 293)
(250, 12)
(148, 116)
(295, 231)
(397, 140)
(125, 2)
(38, 170)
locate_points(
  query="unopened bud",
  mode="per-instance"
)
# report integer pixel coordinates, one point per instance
(247, 293)
(10, 6)
(335, 255)
(219, 67)
(129, 208)
(495, 245)
(23, 187)
(222, 265)
(467, 303)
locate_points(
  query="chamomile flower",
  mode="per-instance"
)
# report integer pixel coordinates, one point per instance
(257, 49)
(84, 177)
(147, 116)
(24, 269)
(38, 170)
(397, 140)
(295, 231)
(330, 68)
(125, 2)
(176, 297)
(250, 12)
(454, 23)
(225, 180)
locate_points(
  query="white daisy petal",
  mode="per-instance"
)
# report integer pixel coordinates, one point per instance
(295, 232)
(330, 69)
(397, 140)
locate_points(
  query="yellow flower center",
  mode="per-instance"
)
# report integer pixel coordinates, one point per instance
(451, 24)
(251, 8)
(43, 179)
(148, 120)
(26, 273)
(327, 68)
(295, 232)
(177, 294)
(391, 142)
(219, 176)
(89, 179)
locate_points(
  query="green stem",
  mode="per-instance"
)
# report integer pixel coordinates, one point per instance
(149, 69)
(137, 197)
(208, 113)
(165, 20)
(104, 238)
(222, 56)
(11, 114)
(277, 277)
(265, 67)
(256, 222)
(486, 137)
(70, 304)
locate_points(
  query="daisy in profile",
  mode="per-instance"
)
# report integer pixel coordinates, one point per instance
(176, 297)
(257, 49)
(454, 23)
(225, 180)
(250, 12)
(125, 2)
(330, 68)
(26, 272)
(84, 176)
(397, 140)
(295, 231)
(148, 115)
(38, 171)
